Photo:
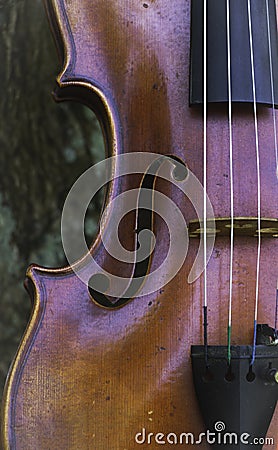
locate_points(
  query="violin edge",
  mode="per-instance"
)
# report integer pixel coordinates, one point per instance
(36, 293)
(91, 94)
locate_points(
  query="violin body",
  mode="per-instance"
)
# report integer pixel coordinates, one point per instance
(89, 377)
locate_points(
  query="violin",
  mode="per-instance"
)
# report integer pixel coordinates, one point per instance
(164, 331)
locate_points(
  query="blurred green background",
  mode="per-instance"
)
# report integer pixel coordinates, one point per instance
(44, 147)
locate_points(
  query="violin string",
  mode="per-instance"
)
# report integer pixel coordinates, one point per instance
(276, 314)
(272, 85)
(231, 180)
(258, 182)
(275, 136)
(205, 183)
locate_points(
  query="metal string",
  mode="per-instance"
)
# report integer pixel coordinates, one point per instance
(258, 183)
(231, 181)
(272, 85)
(205, 181)
(276, 314)
(275, 133)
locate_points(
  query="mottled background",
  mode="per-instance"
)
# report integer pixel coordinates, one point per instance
(44, 147)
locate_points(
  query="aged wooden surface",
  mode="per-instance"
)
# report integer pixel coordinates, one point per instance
(91, 378)
(44, 147)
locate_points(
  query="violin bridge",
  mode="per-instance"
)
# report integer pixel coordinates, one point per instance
(243, 226)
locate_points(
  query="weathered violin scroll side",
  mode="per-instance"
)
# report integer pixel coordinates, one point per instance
(105, 362)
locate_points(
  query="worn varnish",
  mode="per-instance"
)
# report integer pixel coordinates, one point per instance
(86, 377)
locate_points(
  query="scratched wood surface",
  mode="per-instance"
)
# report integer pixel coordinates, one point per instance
(86, 377)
